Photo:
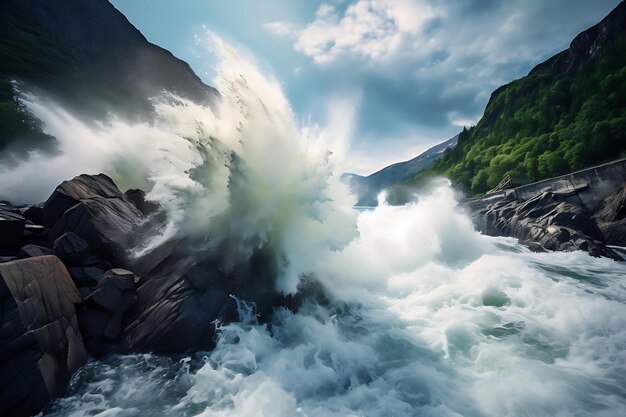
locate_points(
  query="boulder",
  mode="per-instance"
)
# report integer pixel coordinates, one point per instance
(34, 213)
(187, 293)
(86, 276)
(611, 217)
(40, 342)
(92, 207)
(33, 250)
(71, 249)
(138, 197)
(101, 316)
(547, 220)
(72, 192)
(11, 230)
(177, 308)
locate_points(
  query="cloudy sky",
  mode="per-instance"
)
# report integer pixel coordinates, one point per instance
(417, 71)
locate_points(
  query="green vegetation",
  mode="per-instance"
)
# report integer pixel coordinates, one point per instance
(15, 122)
(548, 123)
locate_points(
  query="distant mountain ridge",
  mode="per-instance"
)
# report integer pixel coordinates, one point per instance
(88, 56)
(567, 114)
(368, 187)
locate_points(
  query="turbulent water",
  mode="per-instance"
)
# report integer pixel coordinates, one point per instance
(428, 319)
(424, 316)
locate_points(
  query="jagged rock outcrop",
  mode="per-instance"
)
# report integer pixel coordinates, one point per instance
(138, 197)
(178, 306)
(71, 249)
(93, 208)
(11, 228)
(546, 220)
(611, 218)
(584, 210)
(40, 342)
(101, 314)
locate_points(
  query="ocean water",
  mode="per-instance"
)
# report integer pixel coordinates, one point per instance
(424, 316)
(433, 319)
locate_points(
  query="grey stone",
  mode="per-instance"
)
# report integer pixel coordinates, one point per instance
(71, 249)
(40, 342)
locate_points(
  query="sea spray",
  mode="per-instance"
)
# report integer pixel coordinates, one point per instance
(498, 331)
(243, 174)
(422, 317)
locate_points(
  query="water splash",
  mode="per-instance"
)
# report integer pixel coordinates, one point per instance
(244, 173)
(434, 320)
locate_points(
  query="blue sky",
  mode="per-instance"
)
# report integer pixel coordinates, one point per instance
(415, 70)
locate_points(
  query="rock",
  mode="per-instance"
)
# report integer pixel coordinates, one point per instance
(185, 294)
(11, 230)
(611, 217)
(547, 220)
(86, 276)
(32, 250)
(72, 192)
(71, 249)
(93, 208)
(177, 307)
(138, 197)
(40, 342)
(34, 213)
(103, 310)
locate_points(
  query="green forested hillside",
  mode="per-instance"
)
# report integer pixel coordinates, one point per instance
(567, 114)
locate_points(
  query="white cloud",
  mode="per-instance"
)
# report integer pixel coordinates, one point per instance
(280, 28)
(370, 29)
(430, 64)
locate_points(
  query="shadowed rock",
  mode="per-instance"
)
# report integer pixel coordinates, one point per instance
(11, 229)
(31, 251)
(103, 310)
(40, 343)
(547, 220)
(71, 249)
(92, 207)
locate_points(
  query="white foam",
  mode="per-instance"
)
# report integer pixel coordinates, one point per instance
(425, 316)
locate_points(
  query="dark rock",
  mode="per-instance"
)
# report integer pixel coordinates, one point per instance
(611, 217)
(32, 250)
(547, 221)
(96, 210)
(103, 310)
(72, 192)
(40, 342)
(11, 229)
(138, 197)
(34, 213)
(86, 276)
(71, 249)
(177, 307)
(186, 293)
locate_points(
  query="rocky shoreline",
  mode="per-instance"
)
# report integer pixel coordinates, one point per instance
(72, 287)
(585, 210)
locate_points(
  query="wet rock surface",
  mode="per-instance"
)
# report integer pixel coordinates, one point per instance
(101, 313)
(549, 221)
(41, 345)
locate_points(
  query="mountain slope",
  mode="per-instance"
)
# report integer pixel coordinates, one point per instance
(368, 188)
(566, 114)
(87, 55)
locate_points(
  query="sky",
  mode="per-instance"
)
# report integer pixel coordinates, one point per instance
(415, 71)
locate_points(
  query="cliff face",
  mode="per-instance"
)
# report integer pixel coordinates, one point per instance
(590, 45)
(567, 114)
(87, 55)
